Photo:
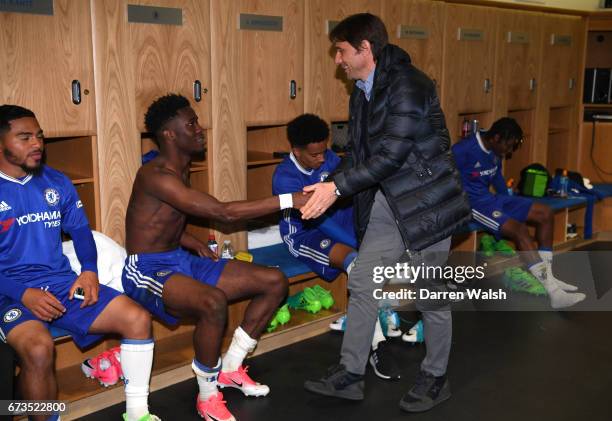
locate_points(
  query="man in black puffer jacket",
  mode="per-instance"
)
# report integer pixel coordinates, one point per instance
(407, 199)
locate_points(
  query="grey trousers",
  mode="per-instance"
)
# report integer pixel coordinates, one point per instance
(382, 245)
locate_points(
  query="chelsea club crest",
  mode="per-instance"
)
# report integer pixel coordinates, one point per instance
(12, 314)
(52, 197)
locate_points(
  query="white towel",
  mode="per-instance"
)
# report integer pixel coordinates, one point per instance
(111, 257)
(263, 237)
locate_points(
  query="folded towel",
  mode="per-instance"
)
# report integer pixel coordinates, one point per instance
(111, 257)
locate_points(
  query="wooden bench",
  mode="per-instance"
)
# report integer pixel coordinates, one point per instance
(174, 345)
(571, 210)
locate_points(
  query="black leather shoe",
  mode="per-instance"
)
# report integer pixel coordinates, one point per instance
(427, 392)
(338, 383)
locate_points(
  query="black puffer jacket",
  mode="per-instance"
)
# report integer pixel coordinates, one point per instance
(407, 155)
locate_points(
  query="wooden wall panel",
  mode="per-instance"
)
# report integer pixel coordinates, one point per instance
(170, 58)
(601, 145)
(599, 49)
(517, 62)
(118, 137)
(326, 89)
(227, 145)
(467, 63)
(561, 62)
(270, 60)
(40, 57)
(426, 54)
(524, 155)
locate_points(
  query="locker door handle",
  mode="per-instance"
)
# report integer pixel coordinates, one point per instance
(487, 85)
(292, 89)
(532, 84)
(197, 91)
(76, 92)
(572, 83)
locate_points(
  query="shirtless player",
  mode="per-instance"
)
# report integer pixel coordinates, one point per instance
(172, 283)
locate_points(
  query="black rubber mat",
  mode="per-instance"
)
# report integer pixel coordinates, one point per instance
(600, 259)
(504, 366)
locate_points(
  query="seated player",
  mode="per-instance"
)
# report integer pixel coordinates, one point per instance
(172, 283)
(479, 159)
(38, 288)
(327, 244)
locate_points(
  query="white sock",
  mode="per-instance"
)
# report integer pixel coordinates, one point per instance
(378, 334)
(207, 378)
(350, 267)
(136, 362)
(558, 297)
(241, 345)
(546, 256)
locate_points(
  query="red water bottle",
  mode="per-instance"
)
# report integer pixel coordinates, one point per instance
(212, 244)
(465, 128)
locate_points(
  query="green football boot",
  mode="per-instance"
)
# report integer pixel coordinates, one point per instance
(281, 317)
(487, 245)
(517, 279)
(305, 300)
(504, 248)
(325, 296)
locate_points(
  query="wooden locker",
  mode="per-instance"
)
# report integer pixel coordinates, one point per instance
(518, 60)
(172, 58)
(326, 89)
(469, 60)
(417, 26)
(271, 60)
(40, 57)
(562, 43)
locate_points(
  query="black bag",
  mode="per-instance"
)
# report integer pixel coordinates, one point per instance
(574, 176)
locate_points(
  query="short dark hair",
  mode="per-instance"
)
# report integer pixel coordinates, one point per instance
(508, 130)
(362, 26)
(9, 113)
(305, 129)
(162, 110)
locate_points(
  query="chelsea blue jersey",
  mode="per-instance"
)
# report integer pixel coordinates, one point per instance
(291, 177)
(33, 212)
(479, 169)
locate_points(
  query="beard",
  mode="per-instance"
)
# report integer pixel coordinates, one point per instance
(30, 169)
(34, 169)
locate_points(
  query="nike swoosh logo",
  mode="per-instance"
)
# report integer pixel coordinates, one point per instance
(212, 418)
(236, 383)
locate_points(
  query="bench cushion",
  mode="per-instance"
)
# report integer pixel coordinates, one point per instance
(557, 203)
(278, 255)
(604, 189)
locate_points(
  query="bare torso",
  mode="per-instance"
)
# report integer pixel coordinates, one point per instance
(152, 225)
